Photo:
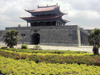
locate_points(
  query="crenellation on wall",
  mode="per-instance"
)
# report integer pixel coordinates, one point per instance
(54, 27)
(17, 28)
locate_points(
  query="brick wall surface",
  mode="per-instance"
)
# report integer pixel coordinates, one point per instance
(70, 35)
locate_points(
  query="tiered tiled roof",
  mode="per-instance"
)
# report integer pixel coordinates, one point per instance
(45, 13)
(43, 9)
(35, 18)
(40, 18)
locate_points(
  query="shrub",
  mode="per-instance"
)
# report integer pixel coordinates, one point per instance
(47, 51)
(23, 67)
(3, 47)
(54, 58)
(24, 46)
(37, 47)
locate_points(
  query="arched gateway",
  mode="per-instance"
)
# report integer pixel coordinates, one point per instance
(35, 38)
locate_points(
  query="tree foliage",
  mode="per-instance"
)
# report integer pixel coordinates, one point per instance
(11, 37)
(19, 25)
(94, 37)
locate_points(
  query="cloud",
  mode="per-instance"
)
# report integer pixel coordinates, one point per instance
(85, 4)
(87, 14)
(81, 12)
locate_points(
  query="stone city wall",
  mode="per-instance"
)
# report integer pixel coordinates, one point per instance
(23, 30)
(84, 38)
(58, 35)
(70, 35)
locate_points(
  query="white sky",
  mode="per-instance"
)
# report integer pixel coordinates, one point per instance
(84, 13)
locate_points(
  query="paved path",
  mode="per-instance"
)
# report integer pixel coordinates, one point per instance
(81, 48)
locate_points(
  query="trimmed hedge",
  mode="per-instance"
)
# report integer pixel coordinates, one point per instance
(37, 47)
(55, 58)
(45, 51)
(10, 66)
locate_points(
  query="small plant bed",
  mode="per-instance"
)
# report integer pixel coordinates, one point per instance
(10, 66)
(45, 51)
(88, 59)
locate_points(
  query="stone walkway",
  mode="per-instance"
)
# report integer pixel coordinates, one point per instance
(81, 48)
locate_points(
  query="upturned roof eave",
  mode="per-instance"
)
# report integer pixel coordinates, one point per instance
(66, 21)
(29, 11)
(37, 11)
(39, 18)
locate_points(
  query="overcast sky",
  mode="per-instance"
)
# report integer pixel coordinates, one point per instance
(84, 13)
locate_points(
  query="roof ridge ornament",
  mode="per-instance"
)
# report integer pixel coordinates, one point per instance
(47, 6)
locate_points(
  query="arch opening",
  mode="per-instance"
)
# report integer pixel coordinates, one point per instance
(35, 38)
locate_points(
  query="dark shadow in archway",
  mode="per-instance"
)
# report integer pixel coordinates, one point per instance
(35, 38)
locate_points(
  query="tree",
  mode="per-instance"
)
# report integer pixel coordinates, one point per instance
(94, 39)
(11, 38)
(19, 25)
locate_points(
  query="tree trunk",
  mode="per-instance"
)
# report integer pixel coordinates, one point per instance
(96, 50)
(11, 47)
